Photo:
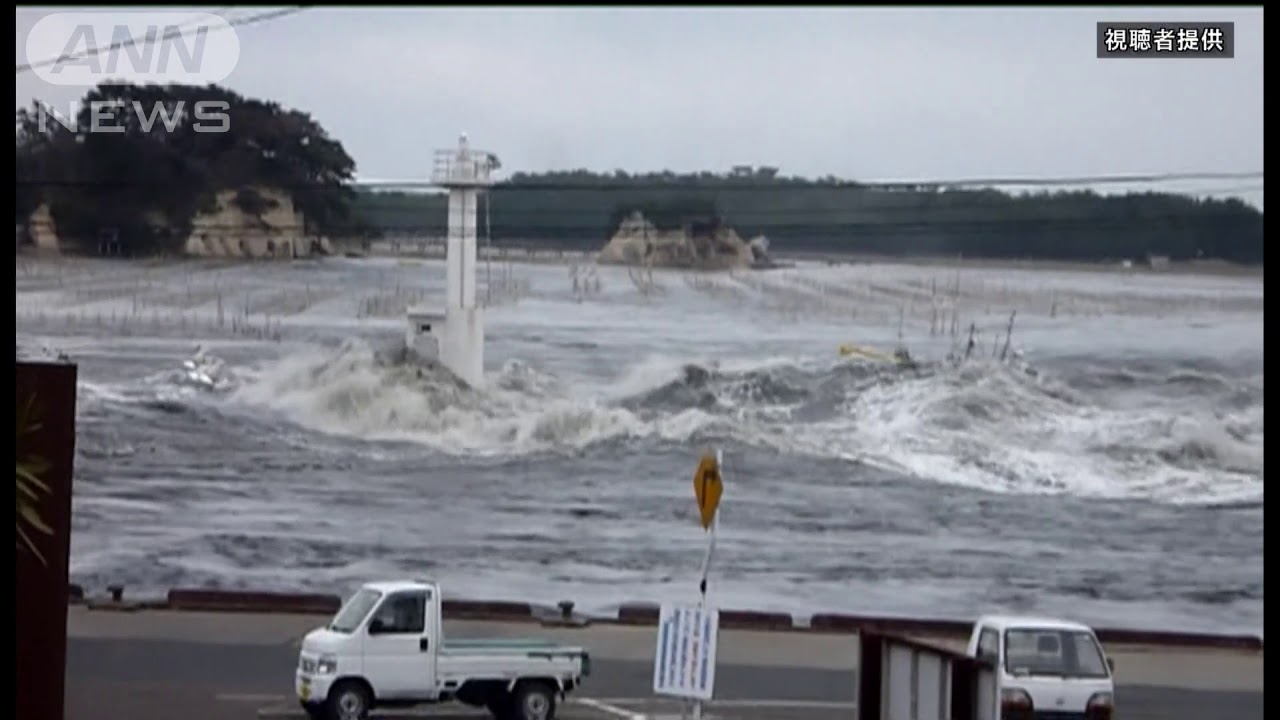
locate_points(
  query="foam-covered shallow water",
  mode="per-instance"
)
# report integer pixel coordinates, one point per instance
(1112, 472)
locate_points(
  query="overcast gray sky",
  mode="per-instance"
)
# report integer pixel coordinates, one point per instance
(873, 94)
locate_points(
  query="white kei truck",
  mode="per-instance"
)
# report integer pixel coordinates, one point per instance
(1046, 669)
(385, 648)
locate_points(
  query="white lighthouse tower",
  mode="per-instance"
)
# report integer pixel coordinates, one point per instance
(454, 336)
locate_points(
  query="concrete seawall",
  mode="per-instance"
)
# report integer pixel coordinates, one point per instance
(629, 614)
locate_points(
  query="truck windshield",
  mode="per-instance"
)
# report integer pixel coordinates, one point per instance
(353, 613)
(1050, 651)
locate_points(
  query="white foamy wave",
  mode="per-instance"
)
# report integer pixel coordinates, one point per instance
(352, 392)
(654, 371)
(1002, 430)
(993, 427)
(95, 394)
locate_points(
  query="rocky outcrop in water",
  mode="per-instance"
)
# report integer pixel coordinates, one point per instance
(253, 222)
(702, 245)
(41, 232)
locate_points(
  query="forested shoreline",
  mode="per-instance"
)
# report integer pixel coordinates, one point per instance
(166, 163)
(580, 210)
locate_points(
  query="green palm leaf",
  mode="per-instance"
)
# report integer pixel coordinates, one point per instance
(30, 487)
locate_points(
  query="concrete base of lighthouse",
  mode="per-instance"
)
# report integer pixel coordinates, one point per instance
(453, 339)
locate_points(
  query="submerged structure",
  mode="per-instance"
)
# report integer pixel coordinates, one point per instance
(453, 335)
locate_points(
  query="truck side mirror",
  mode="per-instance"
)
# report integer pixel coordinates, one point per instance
(1111, 663)
(376, 626)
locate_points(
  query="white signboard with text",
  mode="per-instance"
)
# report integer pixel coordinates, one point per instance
(685, 660)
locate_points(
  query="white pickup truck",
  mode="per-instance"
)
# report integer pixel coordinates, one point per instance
(386, 648)
(1046, 669)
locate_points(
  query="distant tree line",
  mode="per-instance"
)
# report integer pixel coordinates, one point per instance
(164, 161)
(581, 209)
(150, 180)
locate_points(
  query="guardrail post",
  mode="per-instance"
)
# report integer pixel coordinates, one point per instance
(870, 675)
(964, 696)
(915, 684)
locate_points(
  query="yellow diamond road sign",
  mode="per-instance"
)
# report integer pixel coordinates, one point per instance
(707, 488)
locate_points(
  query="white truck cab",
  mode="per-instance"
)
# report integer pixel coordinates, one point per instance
(386, 648)
(1046, 669)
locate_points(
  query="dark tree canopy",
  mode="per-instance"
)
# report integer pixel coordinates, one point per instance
(169, 162)
(580, 209)
(151, 176)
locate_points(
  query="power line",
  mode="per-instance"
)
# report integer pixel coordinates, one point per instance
(746, 185)
(728, 185)
(1014, 210)
(1229, 190)
(858, 228)
(177, 32)
(1100, 179)
(960, 212)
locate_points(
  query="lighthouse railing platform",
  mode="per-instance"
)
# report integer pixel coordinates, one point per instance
(453, 168)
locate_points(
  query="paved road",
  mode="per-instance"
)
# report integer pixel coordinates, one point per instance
(153, 679)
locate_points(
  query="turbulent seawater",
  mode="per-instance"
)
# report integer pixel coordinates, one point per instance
(1112, 472)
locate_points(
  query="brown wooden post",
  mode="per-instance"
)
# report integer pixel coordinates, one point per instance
(964, 679)
(870, 669)
(42, 590)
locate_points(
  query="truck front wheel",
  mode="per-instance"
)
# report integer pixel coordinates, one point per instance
(348, 700)
(502, 707)
(535, 701)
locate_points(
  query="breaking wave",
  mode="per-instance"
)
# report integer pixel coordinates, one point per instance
(994, 427)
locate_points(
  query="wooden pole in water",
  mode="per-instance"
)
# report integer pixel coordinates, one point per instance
(1008, 338)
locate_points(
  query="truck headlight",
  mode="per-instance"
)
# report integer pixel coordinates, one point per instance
(1015, 699)
(327, 665)
(1101, 700)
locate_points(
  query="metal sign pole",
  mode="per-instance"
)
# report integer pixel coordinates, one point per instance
(706, 561)
(706, 568)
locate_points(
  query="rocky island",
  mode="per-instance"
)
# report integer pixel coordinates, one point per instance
(695, 244)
